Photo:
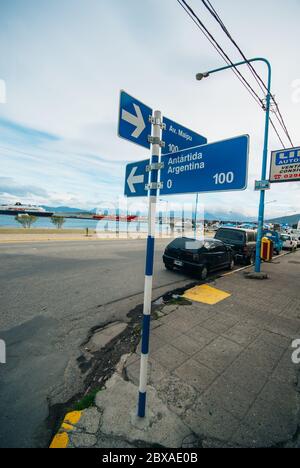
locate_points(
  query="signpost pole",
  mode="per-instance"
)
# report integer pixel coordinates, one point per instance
(155, 157)
(196, 216)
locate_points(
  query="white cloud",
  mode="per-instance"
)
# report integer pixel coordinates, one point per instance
(65, 62)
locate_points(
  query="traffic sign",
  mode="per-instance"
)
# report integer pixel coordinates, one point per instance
(134, 123)
(262, 185)
(285, 165)
(221, 166)
(177, 137)
(136, 179)
(135, 126)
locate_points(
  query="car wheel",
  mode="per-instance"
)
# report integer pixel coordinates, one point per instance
(247, 261)
(204, 273)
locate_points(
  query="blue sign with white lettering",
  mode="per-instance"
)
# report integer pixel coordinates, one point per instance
(136, 179)
(177, 137)
(134, 124)
(288, 157)
(285, 165)
(221, 166)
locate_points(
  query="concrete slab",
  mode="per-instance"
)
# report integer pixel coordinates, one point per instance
(210, 421)
(230, 396)
(277, 422)
(169, 357)
(117, 404)
(176, 394)
(219, 354)
(196, 375)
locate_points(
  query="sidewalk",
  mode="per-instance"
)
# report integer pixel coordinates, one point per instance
(221, 375)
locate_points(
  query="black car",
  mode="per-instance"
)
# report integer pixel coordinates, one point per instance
(242, 242)
(200, 257)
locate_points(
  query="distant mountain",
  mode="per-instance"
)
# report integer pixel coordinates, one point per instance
(210, 216)
(64, 209)
(292, 219)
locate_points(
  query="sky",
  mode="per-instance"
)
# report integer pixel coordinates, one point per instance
(63, 63)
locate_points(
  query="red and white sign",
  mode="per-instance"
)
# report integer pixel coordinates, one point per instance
(285, 165)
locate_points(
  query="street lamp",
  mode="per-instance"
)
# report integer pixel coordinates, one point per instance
(200, 77)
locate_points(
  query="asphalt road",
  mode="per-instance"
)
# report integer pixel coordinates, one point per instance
(50, 295)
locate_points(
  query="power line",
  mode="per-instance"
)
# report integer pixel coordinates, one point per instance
(195, 18)
(219, 49)
(208, 5)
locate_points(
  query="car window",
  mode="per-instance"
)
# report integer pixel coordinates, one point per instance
(179, 243)
(230, 234)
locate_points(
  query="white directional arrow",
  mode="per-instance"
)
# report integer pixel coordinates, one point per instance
(133, 179)
(136, 120)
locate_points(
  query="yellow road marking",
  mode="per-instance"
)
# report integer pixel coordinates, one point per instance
(60, 441)
(71, 419)
(206, 294)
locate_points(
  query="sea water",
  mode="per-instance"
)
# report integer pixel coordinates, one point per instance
(102, 225)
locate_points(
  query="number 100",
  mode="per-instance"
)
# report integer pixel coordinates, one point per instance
(222, 178)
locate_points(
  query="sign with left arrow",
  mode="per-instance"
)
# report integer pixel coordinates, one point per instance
(136, 178)
(218, 167)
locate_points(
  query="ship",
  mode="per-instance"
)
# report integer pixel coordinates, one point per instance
(18, 209)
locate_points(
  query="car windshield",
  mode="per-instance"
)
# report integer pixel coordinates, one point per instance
(183, 243)
(230, 234)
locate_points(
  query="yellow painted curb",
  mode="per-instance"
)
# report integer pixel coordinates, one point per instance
(206, 294)
(61, 439)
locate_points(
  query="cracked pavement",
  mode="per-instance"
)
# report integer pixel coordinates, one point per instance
(51, 296)
(220, 376)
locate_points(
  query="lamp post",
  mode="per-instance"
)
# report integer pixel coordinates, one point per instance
(261, 212)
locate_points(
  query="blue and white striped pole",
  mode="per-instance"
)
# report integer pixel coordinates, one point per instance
(153, 181)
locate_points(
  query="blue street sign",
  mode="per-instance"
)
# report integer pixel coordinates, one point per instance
(221, 166)
(177, 137)
(285, 165)
(216, 167)
(134, 126)
(136, 178)
(134, 122)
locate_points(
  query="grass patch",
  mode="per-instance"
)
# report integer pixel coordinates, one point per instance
(87, 401)
(179, 301)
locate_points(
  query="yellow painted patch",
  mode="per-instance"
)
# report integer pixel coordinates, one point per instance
(206, 294)
(60, 441)
(71, 419)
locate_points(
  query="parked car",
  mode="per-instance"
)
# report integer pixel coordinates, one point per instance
(275, 237)
(296, 234)
(289, 242)
(200, 257)
(241, 241)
